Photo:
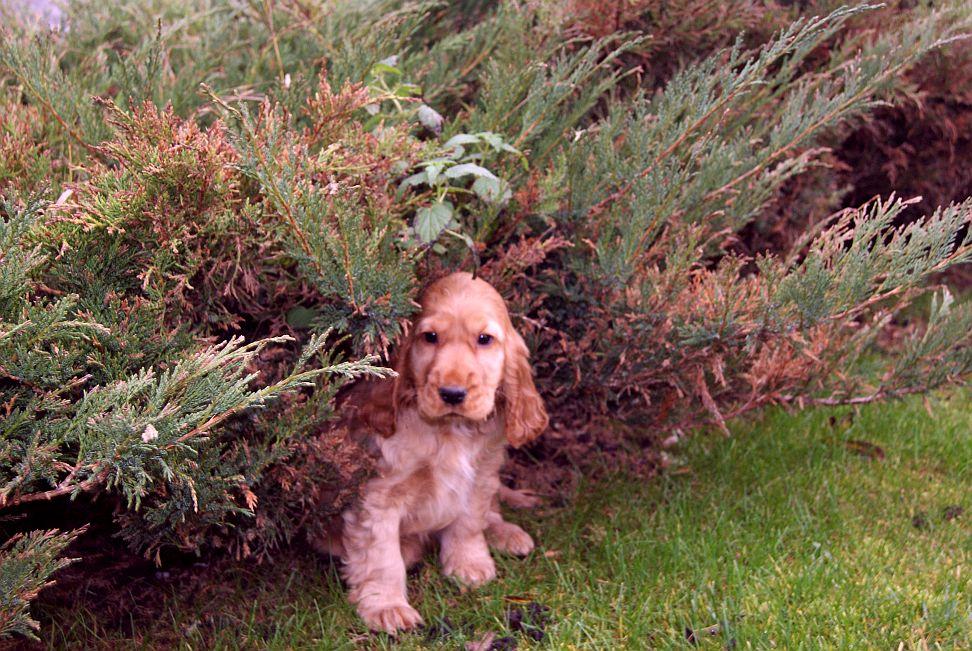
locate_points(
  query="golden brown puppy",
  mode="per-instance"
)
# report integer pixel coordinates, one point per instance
(464, 390)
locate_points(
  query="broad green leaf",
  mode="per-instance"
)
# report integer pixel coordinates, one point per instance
(432, 171)
(492, 190)
(384, 67)
(456, 152)
(494, 140)
(301, 317)
(408, 90)
(432, 220)
(465, 169)
(468, 241)
(430, 118)
(415, 179)
(455, 144)
(461, 139)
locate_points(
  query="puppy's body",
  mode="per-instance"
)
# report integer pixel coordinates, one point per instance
(439, 455)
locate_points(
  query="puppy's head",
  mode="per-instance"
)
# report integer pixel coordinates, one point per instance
(463, 359)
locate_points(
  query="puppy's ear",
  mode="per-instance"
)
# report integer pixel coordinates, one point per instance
(526, 417)
(403, 389)
(368, 409)
(372, 406)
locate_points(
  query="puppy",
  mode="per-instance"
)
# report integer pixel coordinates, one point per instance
(439, 430)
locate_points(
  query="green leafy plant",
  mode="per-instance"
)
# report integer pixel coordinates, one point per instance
(453, 164)
(385, 84)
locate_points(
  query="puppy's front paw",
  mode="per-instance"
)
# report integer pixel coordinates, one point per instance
(509, 538)
(390, 617)
(471, 571)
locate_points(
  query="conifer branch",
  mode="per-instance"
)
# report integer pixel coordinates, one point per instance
(605, 203)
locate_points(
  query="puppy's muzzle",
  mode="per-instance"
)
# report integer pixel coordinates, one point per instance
(452, 395)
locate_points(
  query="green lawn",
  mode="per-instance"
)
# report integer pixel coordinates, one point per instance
(783, 536)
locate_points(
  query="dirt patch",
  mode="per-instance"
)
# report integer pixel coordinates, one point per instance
(580, 445)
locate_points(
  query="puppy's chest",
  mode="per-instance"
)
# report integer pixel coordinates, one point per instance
(435, 485)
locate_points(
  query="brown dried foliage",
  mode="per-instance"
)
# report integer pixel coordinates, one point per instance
(170, 191)
(23, 153)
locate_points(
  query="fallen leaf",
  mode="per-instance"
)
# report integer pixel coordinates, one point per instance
(952, 512)
(693, 636)
(518, 599)
(482, 644)
(865, 449)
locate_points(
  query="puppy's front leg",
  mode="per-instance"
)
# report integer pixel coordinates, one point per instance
(464, 552)
(375, 570)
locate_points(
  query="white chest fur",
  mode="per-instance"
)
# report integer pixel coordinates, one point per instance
(430, 470)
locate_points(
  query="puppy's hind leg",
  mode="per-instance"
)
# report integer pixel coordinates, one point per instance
(505, 536)
(413, 549)
(518, 499)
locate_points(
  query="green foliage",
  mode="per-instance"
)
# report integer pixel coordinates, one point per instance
(452, 165)
(333, 209)
(654, 195)
(26, 561)
(215, 213)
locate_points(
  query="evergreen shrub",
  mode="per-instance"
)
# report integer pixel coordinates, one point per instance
(216, 213)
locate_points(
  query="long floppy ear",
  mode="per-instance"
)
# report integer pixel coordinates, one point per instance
(403, 389)
(373, 405)
(526, 417)
(368, 409)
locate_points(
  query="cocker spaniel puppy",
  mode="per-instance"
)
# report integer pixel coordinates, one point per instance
(440, 429)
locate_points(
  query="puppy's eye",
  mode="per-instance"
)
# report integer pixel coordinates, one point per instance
(431, 337)
(485, 339)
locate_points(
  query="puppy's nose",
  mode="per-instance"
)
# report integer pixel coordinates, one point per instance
(452, 395)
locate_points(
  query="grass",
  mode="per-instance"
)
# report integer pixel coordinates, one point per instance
(784, 535)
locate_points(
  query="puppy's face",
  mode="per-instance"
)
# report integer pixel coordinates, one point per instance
(457, 356)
